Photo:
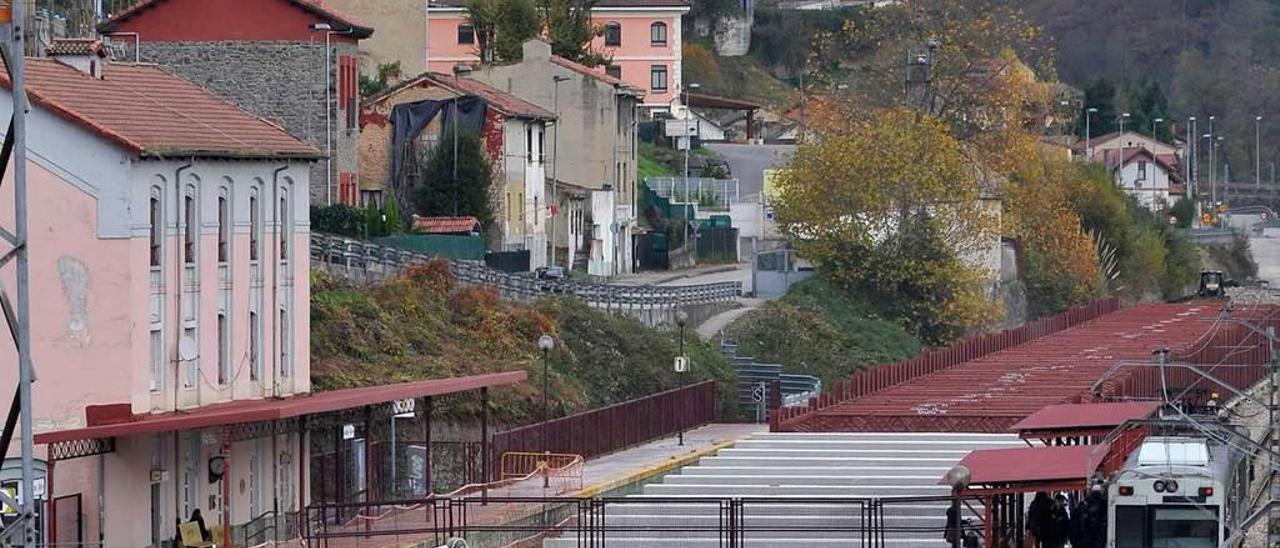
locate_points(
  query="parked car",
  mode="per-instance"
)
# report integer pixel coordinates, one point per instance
(550, 277)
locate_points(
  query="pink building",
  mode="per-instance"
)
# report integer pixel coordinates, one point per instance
(641, 38)
(169, 271)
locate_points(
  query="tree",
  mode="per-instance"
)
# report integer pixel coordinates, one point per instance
(395, 223)
(372, 86)
(462, 188)
(502, 26)
(570, 31)
(1099, 94)
(891, 206)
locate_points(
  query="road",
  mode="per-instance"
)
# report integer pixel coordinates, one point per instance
(1266, 251)
(748, 162)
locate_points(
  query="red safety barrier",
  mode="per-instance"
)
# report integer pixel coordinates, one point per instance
(616, 427)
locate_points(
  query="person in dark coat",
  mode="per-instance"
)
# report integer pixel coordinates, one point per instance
(1038, 514)
(199, 520)
(1056, 524)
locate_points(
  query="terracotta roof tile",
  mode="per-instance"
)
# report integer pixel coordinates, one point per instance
(76, 46)
(156, 114)
(588, 71)
(601, 4)
(445, 225)
(340, 20)
(506, 103)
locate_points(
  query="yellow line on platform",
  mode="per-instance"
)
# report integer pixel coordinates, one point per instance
(652, 470)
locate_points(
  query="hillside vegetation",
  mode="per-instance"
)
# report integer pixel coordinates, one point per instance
(424, 326)
(822, 331)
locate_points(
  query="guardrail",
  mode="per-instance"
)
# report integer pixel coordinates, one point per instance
(616, 427)
(364, 261)
(706, 192)
(864, 383)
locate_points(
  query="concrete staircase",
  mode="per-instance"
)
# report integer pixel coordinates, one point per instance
(787, 476)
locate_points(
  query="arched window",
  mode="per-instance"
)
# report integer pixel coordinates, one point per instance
(157, 226)
(224, 224)
(285, 222)
(190, 226)
(255, 225)
(612, 34)
(658, 34)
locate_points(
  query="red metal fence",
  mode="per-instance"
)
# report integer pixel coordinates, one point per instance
(864, 383)
(609, 429)
(1232, 352)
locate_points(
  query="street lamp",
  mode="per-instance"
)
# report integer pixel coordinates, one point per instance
(1257, 162)
(545, 344)
(555, 165)
(681, 319)
(1123, 117)
(328, 31)
(1155, 121)
(688, 144)
(958, 478)
(1088, 147)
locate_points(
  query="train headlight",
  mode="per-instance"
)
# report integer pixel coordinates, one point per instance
(1126, 490)
(1206, 491)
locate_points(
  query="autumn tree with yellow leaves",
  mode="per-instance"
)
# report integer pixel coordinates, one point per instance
(891, 207)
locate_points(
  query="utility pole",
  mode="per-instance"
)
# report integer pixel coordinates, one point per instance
(555, 165)
(1273, 518)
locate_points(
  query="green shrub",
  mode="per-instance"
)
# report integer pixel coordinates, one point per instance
(340, 219)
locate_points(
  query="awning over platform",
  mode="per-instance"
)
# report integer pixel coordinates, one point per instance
(1085, 419)
(1032, 465)
(249, 411)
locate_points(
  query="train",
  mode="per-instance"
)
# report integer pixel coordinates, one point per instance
(1188, 491)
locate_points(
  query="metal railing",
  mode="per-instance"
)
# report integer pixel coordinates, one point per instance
(871, 381)
(619, 426)
(594, 522)
(364, 261)
(705, 192)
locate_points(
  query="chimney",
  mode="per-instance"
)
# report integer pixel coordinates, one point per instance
(86, 55)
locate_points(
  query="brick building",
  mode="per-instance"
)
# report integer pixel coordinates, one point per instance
(272, 62)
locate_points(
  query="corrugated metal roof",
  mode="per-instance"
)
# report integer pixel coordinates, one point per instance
(247, 411)
(1032, 464)
(341, 21)
(1085, 416)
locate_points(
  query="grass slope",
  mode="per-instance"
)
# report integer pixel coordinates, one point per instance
(818, 330)
(423, 326)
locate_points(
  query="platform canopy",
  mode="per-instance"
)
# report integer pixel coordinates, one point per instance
(1082, 419)
(250, 411)
(1028, 469)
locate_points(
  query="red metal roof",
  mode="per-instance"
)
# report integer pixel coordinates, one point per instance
(153, 113)
(1032, 464)
(445, 225)
(992, 393)
(340, 21)
(246, 411)
(1084, 416)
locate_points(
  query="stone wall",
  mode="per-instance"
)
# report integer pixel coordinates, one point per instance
(283, 82)
(733, 34)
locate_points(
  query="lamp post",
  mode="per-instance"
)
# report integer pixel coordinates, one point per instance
(1213, 176)
(1155, 121)
(328, 31)
(681, 319)
(1088, 146)
(1257, 149)
(545, 344)
(958, 478)
(555, 165)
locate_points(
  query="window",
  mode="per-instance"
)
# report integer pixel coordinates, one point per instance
(224, 350)
(466, 34)
(224, 227)
(658, 34)
(193, 365)
(542, 150)
(157, 229)
(613, 34)
(284, 344)
(614, 71)
(283, 220)
(190, 227)
(255, 228)
(157, 360)
(254, 346)
(528, 143)
(658, 77)
(1142, 170)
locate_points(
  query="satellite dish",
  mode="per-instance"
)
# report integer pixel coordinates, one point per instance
(188, 349)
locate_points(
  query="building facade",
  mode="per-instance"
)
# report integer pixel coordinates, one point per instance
(171, 272)
(591, 156)
(514, 133)
(292, 62)
(641, 38)
(399, 37)
(1148, 178)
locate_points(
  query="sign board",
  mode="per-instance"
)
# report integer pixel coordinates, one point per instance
(6, 12)
(348, 431)
(553, 211)
(682, 364)
(1173, 219)
(403, 409)
(1222, 208)
(1206, 219)
(768, 213)
(681, 128)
